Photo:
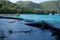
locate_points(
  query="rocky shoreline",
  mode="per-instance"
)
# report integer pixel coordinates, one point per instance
(45, 26)
(11, 18)
(42, 25)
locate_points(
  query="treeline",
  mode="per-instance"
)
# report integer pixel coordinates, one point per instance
(7, 7)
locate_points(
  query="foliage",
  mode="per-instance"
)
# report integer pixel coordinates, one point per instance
(7, 7)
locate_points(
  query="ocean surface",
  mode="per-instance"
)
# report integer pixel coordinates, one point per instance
(18, 27)
(54, 20)
(38, 17)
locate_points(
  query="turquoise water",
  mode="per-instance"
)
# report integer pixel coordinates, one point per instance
(35, 34)
(52, 19)
(40, 17)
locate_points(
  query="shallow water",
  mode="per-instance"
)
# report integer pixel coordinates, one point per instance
(38, 17)
(17, 26)
(54, 20)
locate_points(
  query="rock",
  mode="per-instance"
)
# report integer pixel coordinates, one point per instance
(10, 31)
(29, 20)
(12, 18)
(45, 26)
(12, 22)
(2, 35)
(35, 24)
(20, 19)
(58, 37)
(42, 25)
(56, 32)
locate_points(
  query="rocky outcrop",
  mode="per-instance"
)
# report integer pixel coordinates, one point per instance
(28, 20)
(45, 26)
(2, 35)
(12, 18)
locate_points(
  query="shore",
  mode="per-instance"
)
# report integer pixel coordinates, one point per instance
(27, 27)
(13, 28)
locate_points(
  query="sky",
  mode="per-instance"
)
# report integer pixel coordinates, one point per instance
(36, 1)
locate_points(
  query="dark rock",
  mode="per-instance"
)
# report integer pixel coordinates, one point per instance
(42, 25)
(56, 32)
(12, 22)
(10, 31)
(35, 24)
(20, 19)
(58, 37)
(45, 26)
(2, 37)
(12, 18)
(29, 20)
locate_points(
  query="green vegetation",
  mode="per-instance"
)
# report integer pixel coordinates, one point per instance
(7, 7)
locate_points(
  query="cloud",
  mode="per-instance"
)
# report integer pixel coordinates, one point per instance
(37, 1)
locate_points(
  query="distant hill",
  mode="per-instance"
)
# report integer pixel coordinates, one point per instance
(7, 7)
(28, 4)
(48, 5)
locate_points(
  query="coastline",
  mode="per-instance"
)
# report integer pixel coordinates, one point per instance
(54, 31)
(11, 18)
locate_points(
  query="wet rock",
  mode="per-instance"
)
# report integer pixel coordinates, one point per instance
(56, 32)
(24, 31)
(27, 31)
(12, 18)
(42, 25)
(12, 22)
(10, 31)
(58, 37)
(29, 20)
(2, 35)
(19, 19)
(35, 24)
(47, 27)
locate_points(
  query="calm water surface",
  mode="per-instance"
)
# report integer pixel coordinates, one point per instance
(52, 19)
(40, 17)
(35, 34)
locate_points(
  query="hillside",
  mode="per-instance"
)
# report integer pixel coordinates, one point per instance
(7, 7)
(28, 4)
(49, 5)
(46, 6)
(29, 7)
